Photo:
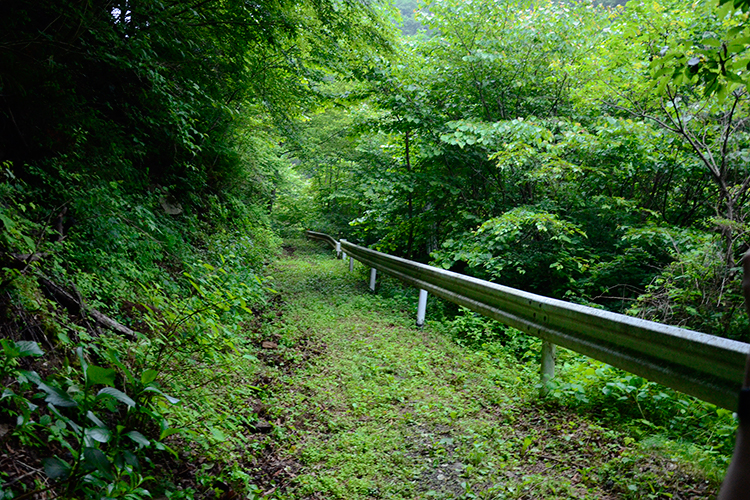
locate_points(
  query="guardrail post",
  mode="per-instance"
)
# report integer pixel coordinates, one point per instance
(421, 307)
(373, 273)
(351, 264)
(343, 256)
(338, 250)
(549, 353)
(707, 367)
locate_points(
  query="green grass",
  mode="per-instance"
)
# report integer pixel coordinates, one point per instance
(365, 405)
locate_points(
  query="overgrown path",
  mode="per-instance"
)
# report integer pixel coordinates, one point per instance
(364, 405)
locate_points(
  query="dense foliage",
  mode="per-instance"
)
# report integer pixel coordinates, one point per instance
(142, 147)
(534, 148)
(153, 154)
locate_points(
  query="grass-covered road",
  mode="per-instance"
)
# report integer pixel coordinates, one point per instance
(364, 405)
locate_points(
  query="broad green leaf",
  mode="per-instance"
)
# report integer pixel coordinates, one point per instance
(148, 376)
(138, 438)
(662, 85)
(29, 242)
(99, 375)
(90, 415)
(163, 447)
(56, 468)
(9, 224)
(218, 434)
(117, 394)
(96, 459)
(28, 348)
(712, 42)
(171, 399)
(721, 92)
(168, 432)
(57, 396)
(99, 434)
(733, 32)
(725, 6)
(131, 459)
(738, 44)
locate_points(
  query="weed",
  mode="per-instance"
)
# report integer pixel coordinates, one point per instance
(97, 433)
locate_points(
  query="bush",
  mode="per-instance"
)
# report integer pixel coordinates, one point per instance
(697, 291)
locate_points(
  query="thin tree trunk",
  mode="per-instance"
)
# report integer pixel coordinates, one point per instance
(409, 200)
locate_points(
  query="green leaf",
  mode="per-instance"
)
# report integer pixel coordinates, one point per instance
(117, 394)
(171, 399)
(197, 288)
(168, 432)
(148, 376)
(56, 468)
(10, 349)
(218, 434)
(28, 348)
(131, 459)
(113, 358)
(29, 242)
(712, 42)
(738, 44)
(90, 415)
(138, 438)
(99, 375)
(99, 434)
(9, 224)
(98, 460)
(57, 396)
(84, 364)
(721, 92)
(663, 71)
(527, 441)
(163, 447)
(724, 7)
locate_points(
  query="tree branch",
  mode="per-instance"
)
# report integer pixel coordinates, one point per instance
(78, 307)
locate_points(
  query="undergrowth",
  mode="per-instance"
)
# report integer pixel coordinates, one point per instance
(138, 404)
(301, 383)
(662, 418)
(386, 410)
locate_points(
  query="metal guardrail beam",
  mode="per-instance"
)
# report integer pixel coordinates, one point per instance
(322, 237)
(705, 366)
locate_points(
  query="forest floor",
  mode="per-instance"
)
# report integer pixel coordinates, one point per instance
(364, 405)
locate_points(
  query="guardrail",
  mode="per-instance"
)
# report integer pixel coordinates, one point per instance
(328, 239)
(705, 366)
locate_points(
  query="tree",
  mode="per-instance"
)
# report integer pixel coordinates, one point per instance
(154, 87)
(685, 71)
